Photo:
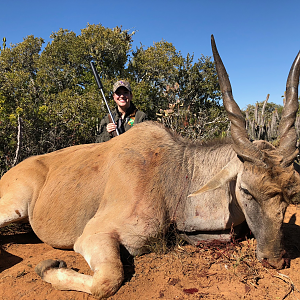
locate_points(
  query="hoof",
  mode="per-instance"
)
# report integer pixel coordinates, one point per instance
(48, 264)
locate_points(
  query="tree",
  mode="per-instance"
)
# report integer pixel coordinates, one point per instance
(4, 43)
(177, 82)
(18, 93)
(52, 93)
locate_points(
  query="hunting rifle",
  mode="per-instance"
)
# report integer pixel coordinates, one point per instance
(99, 83)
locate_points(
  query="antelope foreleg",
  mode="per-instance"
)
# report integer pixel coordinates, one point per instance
(102, 253)
(61, 278)
(101, 250)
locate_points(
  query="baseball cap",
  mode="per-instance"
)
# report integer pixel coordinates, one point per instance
(121, 83)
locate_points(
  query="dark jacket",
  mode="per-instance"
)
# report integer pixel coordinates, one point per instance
(132, 117)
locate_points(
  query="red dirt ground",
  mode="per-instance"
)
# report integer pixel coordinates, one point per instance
(206, 272)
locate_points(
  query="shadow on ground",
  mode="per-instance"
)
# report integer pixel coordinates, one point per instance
(291, 233)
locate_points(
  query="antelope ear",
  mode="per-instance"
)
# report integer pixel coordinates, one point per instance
(226, 174)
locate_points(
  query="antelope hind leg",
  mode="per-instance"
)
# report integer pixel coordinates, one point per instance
(16, 193)
(13, 208)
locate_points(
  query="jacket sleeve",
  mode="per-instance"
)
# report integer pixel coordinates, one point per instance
(102, 135)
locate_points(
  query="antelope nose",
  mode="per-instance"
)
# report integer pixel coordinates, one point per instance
(277, 263)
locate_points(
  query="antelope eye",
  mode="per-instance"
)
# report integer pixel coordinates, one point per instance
(245, 191)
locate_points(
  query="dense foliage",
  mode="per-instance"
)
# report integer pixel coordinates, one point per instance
(49, 98)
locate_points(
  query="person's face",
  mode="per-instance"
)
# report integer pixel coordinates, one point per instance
(122, 97)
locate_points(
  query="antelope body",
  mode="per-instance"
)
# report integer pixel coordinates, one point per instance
(94, 198)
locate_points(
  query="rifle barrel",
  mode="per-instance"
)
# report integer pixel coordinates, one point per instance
(99, 83)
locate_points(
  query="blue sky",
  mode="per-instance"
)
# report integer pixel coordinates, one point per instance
(257, 40)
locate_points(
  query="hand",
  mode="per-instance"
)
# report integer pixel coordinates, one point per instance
(111, 127)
